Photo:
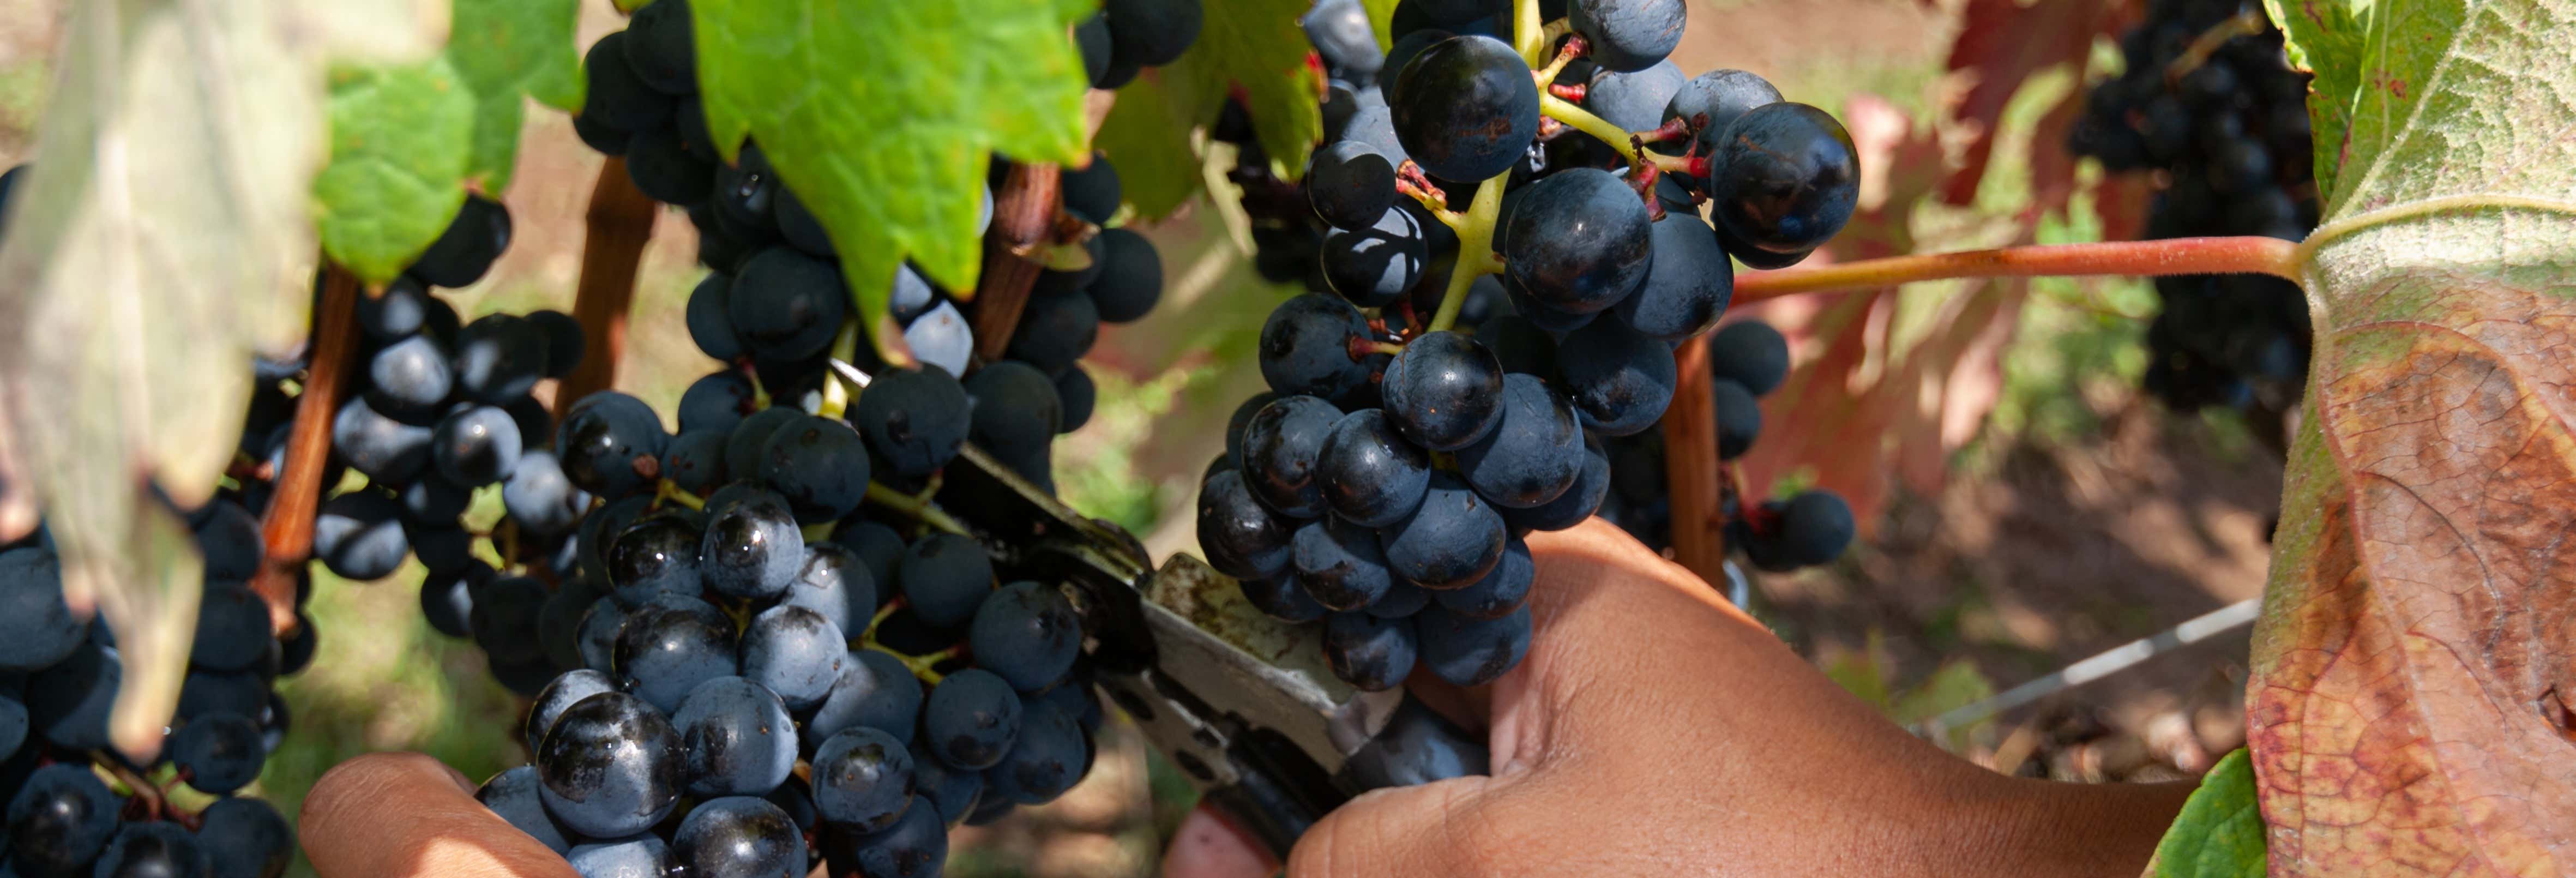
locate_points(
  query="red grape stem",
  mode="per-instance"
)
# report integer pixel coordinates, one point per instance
(152, 797)
(1574, 48)
(1671, 129)
(916, 508)
(617, 226)
(1568, 91)
(2172, 256)
(286, 534)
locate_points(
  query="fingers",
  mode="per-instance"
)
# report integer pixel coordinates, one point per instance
(405, 815)
(1430, 830)
(1209, 845)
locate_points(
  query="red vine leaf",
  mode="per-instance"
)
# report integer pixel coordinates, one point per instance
(2001, 45)
(2406, 712)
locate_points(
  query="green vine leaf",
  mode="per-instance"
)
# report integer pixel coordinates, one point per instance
(1381, 15)
(1152, 132)
(406, 140)
(2219, 833)
(401, 139)
(887, 146)
(2412, 669)
(164, 233)
(502, 50)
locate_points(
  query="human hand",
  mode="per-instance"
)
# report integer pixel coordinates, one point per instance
(1656, 729)
(405, 815)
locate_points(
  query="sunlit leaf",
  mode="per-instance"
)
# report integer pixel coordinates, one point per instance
(1253, 45)
(401, 139)
(883, 116)
(2220, 831)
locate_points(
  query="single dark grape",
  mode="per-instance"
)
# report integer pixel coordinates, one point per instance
(466, 249)
(1349, 185)
(37, 629)
(1153, 33)
(1619, 379)
(1471, 652)
(875, 691)
(664, 651)
(736, 739)
(504, 619)
(1445, 391)
(659, 48)
(794, 652)
(820, 465)
(1785, 178)
(1749, 353)
(642, 854)
(513, 796)
(246, 838)
(1577, 503)
(604, 438)
(1305, 347)
(359, 535)
(1534, 453)
(560, 695)
(658, 554)
(476, 446)
(409, 379)
(1282, 599)
(786, 304)
(709, 315)
(1016, 410)
(1739, 418)
(1720, 96)
(1056, 328)
(1633, 100)
(914, 419)
(388, 451)
(742, 836)
(971, 719)
(60, 820)
(1373, 263)
(610, 767)
(1130, 277)
(500, 357)
(1579, 241)
(1689, 285)
(1048, 757)
(152, 850)
(1340, 565)
(1026, 633)
(1370, 653)
(1280, 446)
(617, 96)
(752, 547)
(1241, 536)
(1073, 388)
(1453, 539)
(946, 577)
(1370, 474)
(916, 846)
(694, 461)
(233, 629)
(863, 778)
(1465, 108)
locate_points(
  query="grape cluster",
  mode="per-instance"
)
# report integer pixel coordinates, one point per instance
(775, 301)
(78, 807)
(1384, 484)
(719, 642)
(2209, 102)
(1747, 360)
(1127, 36)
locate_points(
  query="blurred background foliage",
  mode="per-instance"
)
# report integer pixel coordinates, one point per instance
(2030, 505)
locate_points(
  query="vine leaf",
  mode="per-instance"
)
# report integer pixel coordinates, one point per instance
(407, 139)
(503, 50)
(887, 150)
(163, 234)
(1381, 14)
(2220, 831)
(401, 138)
(2414, 669)
(1255, 46)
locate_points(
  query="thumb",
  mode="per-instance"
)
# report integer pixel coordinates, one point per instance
(405, 815)
(1428, 830)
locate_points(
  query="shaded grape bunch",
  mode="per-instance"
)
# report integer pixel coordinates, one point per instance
(744, 681)
(1421, 423)
(2228, 134)
(1747, 360)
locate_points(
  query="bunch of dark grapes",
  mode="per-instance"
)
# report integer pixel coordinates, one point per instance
(1747, 360)
(765, 672)
(2210, 105)
(77, 806)
(776, 299)
(1385, 483)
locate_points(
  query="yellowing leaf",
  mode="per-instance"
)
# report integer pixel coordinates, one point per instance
(164, 232)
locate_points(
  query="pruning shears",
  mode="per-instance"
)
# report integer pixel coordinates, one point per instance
(1244, 705)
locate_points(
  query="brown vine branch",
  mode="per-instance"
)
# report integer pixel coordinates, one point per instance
(286, 535)
(2237, 255)
(1691, 467)
(1023, 216)
(619, 224)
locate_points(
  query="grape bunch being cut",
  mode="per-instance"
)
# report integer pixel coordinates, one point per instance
(2208, 103)
(1382, 487)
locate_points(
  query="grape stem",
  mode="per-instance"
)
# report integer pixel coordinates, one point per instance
(921, 665)
(2172, 256)
(836, 389)
(667, 490)
(286, 535)
(1574, 48)
(155, 805)
(916, 508)
(617, 226)
(1475, 251)
(2244, 24)
(1529, 33)
(1558, 109)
